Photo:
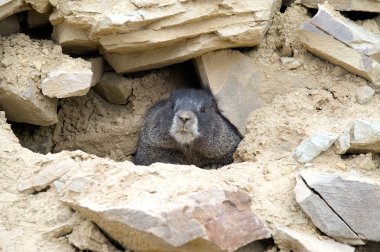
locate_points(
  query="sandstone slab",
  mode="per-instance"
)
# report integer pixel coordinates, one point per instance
(351, 47)
(10, 7)
(241, 84)
(311, 147)
(114, 88)
(140, 35)
(63, 82)
(144, 216)
(347, 5)
(354, 201)
(362, 136)
(292, 240)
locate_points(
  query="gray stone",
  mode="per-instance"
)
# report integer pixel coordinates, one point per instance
(311, 147)
(364, 94)
(114, 88)
(323, 216)
(291, 240)
(355, 201)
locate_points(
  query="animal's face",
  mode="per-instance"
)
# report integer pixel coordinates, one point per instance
(190, 108)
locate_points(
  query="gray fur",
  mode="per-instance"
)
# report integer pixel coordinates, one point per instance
(187, 129)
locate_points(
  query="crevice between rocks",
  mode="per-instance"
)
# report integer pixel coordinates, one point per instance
(332, 209)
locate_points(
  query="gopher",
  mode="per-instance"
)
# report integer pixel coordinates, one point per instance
(187, 129)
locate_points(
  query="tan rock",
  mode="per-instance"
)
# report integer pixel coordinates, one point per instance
(68, 80)
(97, 66)
(86, 236)
(27, 105)
(292, 240)
(10, 7)
(136, 35)
(145, 217)
(114, 88)
(47, 175)
(41, 6)
(241, 84)
(9, 25)
(325, 46)
(347, 5)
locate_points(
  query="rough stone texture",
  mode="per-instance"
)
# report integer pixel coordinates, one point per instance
(346, 5)
(114, 88)
(291, 240)
(364, 94)
(41, 6)
(92, 124)
(9, 25)
(64, 81)
(352, 47)
(354, 200)
(140, 35)
(311, 147)
(25, 63)
(10, 7)
(87, 237)
(241, 84)
(97, 67)
(143, 217)
(362, 136)
(323, 216)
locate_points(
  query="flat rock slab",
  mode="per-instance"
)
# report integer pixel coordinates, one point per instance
(355, 202)
(351, 46)
(347, 5)
(141, 35)
(10, 7)
(135, 206)
(291, 240)
(362, 136)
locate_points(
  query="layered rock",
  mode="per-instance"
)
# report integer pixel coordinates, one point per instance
(10, 7)
(31, 66)
(139, 35)
(341, 207)
(347, 5)
(144, 217)
(351, 46)
(362, 136)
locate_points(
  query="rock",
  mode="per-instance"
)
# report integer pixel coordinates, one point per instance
(323, 216)
(291, 240)
(362, 136)
(364, 94)
(91, 124)
(242, 84)
(47, 175)
(142, 36)
(41, 6)
(347, 5)
(114, 88)
(347, 198)
(256, 246)
(27, 105)
(97, 66)
(9, 25)
(290, 62)
(67, 81)
(10, 7)
(311, 147)
(144, 216)
(35, 19)
(351, 46)
(231, 78)
(87, 237)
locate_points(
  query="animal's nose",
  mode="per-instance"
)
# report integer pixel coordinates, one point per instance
(184, 118)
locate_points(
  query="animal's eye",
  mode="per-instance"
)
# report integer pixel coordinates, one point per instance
(173, 105)
(203, 109)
